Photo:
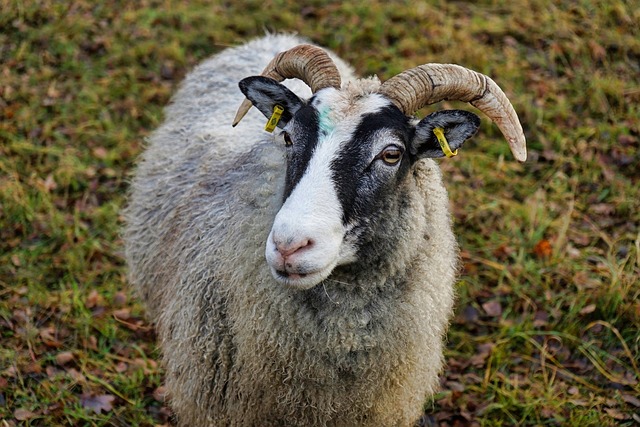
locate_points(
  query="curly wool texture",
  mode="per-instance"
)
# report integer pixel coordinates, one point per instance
(362, 348)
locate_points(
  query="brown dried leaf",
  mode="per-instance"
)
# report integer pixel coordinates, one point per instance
(603, 209)
(93, 299)
(50, 183)
(543, 249)
(100, 153)
(48, 336)
(119, 299)
(91, 343)
(632, 400)
(122, 313)
(64, 357)
(616, 414)
(97, 404)
(541, 318)
(23, 414)
(15, 260)
(160, 394)
(52, 371)
(76, 375)
(484, 350)
(598, 52)
(588, 309)
(492, 308)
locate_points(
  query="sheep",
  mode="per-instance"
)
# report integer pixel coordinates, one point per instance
(304, 278)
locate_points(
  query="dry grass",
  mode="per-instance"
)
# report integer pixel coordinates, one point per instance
(546, 331)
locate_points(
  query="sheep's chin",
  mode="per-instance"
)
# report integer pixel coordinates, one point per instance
(301, 282)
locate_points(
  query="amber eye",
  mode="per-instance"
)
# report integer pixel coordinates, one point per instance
(391, 155)
(287, 139)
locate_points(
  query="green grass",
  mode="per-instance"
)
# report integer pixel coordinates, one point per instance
(548, 316)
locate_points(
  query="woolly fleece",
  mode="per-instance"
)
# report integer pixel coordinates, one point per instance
(363, 348)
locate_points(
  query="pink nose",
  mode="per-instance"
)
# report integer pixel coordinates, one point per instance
(289, 247)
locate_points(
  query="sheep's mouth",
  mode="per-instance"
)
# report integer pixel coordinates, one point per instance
(301, 281)
(292, 276)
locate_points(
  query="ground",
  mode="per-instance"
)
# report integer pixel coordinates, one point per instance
(547, 323)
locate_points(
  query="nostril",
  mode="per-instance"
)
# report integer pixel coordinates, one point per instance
(291, 246)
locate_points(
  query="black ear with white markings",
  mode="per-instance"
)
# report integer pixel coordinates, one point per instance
(265, 93)
(456, 125)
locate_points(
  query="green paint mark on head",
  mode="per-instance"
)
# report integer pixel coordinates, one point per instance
(326, 124)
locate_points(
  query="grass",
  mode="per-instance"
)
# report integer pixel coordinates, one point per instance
(548, 317)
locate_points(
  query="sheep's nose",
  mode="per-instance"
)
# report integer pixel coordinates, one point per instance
(291, 246)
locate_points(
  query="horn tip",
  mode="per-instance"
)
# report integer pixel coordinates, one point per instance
(518, 148)
(242, 111)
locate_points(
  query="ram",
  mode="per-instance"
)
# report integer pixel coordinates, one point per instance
(303, 278)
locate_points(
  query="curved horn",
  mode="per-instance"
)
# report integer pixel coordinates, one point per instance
(430, 83)
(308, 63)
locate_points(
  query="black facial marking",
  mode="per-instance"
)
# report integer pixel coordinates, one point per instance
(360, 189)
(305, 139)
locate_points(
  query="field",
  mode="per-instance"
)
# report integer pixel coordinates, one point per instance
(547, 326)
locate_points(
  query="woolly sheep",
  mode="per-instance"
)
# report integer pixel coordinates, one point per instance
(343, 325)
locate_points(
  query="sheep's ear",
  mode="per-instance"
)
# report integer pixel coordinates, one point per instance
(456, 125)
(265, 93)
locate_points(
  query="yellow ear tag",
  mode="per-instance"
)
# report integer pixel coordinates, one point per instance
(439, 132)
(275, 118)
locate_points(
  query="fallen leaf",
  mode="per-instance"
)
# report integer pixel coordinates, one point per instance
(33, 368)
(454, 386)
(97, 404)
(160, 394)
(588, 309)
(632, 400)
(52, 371)
(503, 252)
(122, 313)
(48, 336)
(76, 375)
(542, 249)
(93, 299)
(23, 414)
(119, 299)
(484, 350)
(91, 343)
(598, 52)
(616, 414)
(470, 314)
(582, 280)
(49, 183)
(492, 308)
(547, 412)
(64, 357)
(603, 209)
(100, 153)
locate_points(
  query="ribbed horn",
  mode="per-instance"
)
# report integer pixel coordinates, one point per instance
(308, 63)
(430, 83)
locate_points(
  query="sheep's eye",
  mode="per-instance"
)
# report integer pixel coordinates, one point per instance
(391, 155)
(287, 139)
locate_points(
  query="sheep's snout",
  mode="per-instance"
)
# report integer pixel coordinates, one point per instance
(302, 250)
(301, 257)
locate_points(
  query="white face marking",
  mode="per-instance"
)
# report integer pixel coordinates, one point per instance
(307, 240)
